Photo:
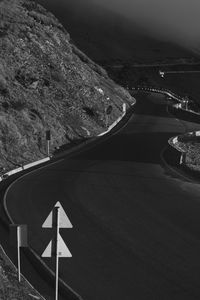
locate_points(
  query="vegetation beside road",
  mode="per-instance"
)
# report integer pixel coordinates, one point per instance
(191, 146)
(47, 83)
(10, 288)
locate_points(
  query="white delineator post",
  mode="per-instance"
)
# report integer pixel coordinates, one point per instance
(57, 251)
(124, 107)
(48, 139)
(48, 148)
(18, 253)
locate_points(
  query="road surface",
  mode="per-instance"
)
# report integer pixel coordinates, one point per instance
(136, 224)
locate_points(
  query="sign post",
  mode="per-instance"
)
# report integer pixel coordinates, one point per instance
(18, 254)
(57, 249)
(58, 219)
(48, 138)
(18, 236)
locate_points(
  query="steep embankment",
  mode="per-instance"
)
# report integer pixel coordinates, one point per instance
(47, 83)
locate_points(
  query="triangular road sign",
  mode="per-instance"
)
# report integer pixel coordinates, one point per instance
(64, 221)
(48, 252)
(63, 251)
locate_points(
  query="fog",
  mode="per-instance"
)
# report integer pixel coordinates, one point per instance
(178, 20)
(97, 21)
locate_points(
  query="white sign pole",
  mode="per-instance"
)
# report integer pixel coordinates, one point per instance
(48, 138)
(57, 219)
(18, 254)
(57, 252)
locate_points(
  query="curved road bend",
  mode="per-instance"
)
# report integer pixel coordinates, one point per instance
(136, 228)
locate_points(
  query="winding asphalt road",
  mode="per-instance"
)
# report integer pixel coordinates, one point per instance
(136, 224)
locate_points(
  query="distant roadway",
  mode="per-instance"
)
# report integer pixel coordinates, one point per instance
(136, 232)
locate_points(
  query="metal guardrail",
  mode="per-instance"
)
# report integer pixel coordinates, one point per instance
(116, 122)
(30, 165)
(158, 90)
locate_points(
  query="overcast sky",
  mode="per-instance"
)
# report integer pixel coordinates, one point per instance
(176, 19)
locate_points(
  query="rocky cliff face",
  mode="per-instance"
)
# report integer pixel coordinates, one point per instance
(46, 83)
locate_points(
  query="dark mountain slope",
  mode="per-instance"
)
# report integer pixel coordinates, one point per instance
(47, 83)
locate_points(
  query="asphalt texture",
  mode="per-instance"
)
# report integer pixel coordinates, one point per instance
(136, 231)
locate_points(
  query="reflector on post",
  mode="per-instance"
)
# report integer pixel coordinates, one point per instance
(22, 234)
(23, 239)
(48, 135)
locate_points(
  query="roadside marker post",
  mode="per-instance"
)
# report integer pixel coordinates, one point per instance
(18, 236)
(56, 248)
(48, 139)
(18, 254)
(124, 107)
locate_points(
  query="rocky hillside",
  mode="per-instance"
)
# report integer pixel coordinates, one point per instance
(46, 83)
